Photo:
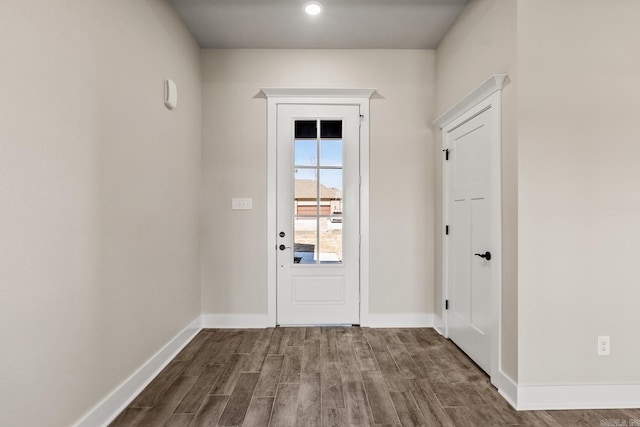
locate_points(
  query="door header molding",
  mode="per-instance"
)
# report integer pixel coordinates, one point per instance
(490, 86)
(317, 93)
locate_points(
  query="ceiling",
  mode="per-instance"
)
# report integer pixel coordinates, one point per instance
(344, 24)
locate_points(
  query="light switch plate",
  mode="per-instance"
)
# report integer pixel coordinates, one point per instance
(604, 345)
(244, 204)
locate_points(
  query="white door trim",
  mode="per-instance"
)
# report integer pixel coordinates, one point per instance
(318, 96)
(487, 96)
(490, 86)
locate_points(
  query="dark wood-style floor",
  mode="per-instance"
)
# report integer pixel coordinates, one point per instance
(332, 377)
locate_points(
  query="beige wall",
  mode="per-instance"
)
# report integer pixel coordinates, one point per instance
(579, 233)
(99, 196)
(100, 184)
(234, 267)
(482, 42)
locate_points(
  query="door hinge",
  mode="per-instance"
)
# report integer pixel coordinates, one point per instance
(446, 229)
(446, 154)
(361, 119)
(446, 304)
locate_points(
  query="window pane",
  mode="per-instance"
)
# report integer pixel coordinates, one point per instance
(306, 192)
(331, 240)
(331, 191)
(331, 129)
(331, 153)
(305, 152)
(306, 129)
(305, 240)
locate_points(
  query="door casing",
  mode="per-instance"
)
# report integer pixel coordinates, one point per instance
(486, 97)
(316, 96)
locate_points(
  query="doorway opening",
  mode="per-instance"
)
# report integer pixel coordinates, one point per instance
(471, 297)
(318, 142)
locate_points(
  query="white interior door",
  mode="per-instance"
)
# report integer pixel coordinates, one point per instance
(318, 214)
(469, 265)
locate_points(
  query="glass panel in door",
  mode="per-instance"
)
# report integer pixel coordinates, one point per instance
(317, 204)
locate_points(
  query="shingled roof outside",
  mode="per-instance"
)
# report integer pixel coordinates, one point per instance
(306, 189)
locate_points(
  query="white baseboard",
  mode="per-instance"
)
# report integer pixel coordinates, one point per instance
(439, 326)
(567, 397)
(223, 321)
(587, 396)
(399, 320)
(105, 411)
(508, 389)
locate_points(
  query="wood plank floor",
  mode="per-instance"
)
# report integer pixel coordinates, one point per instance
(332, 377)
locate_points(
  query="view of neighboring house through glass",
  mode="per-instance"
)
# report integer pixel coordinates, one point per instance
(317, 204)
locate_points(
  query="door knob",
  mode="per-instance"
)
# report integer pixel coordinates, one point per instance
(486, 255)
(283, 247)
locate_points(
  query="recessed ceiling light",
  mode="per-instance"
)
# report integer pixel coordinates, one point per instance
(313, 8)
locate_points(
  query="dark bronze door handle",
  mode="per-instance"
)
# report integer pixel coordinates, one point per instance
(486, 255)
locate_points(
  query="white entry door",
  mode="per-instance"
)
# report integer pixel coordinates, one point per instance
(318, 214)
(469, 265)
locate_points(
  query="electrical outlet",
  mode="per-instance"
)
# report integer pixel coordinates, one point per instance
(604, 345)
(241, 204)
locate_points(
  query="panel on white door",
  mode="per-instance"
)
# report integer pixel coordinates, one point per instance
(318, 290)
(461, 276)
